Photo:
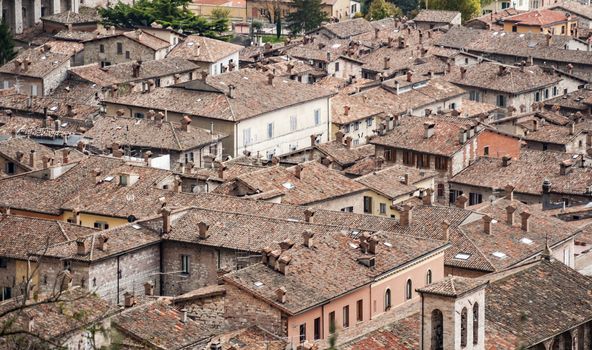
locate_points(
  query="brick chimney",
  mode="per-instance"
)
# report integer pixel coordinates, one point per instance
(348, 142)
(136, 66)
(339, 136)
(510, 209)
(65, 154)
(166, 220)
(265, 255)
(81, 146)
(446, 229)
(298, 171)
(409, 75)
(286, 244)
(509, 190)
(463, 72)
(282, 265)
(387, 64)
(462, 136)
(572, 128)
(32, 159)
(372, 245)
(548, 37)
(406, 179)
(129, 299)
(231, 90)
(116, 150)
(309, 215)
(506, 160)
(202, 229)
(147, 155)
(525, 225)
(80, 247)
(186, 123)
(461, 201)
(101, 242)
(487, 224)
(565, 166)
(429, 129)
(428, 198)
(346, 110)
(406, 215)
(45, 160)
(96, 173)
(280, 295)
(270, 78)
(308, 237)
(19, 156)
(149, 289)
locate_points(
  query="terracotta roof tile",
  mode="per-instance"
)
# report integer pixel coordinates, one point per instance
(391, 180)
(202, 49)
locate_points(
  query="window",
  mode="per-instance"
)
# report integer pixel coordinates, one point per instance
(102, 48)
(537, 96)
(332, 322)
(475, 198)
(546, 93)
(346, 316)
(555, 91)
(545, 146)
(357, 126)
(10, 168)
(514, 28)
(185, 264)
(127, 55)
(452, 106)
(337, 66)
(382, 207)
(293, 123)
(119, 48)
(348, 209)
(500, 100)
(453, 195)
(33, 90)
(302, 332)
(189, 157)
(3, 263)
(423, 160)
(408, 158)
(101, 225)
(246, 136)
(486, 150)
(463, 327)
(474, 95)
(387, 300)
(317, 328)
(429, 277)
(360, 310)
(317, 116)
(475, 323)
(441, 163)
(437, 330)
(369, 122)
(270, 130)
(346, 128)
(580, 144)
(5, 84)
(408, 290)
(367, 205)
(466, 60)
(5, 293)
(139, 115)
(440, 190)
(388, 155)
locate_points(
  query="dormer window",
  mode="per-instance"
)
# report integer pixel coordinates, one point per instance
(128, 179)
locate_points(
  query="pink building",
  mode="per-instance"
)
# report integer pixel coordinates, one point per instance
(340, 278)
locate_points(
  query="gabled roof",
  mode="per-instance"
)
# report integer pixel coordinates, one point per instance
(438, 16)
(349, 28)
(202, 49)
(540, 17)
(39, 63)
(84, 16)
(453, 286)
(390, 181)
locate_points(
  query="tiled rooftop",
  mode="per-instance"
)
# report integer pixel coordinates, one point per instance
(202, 49)
(436, 16)
(539, 17)
(39, 62)
(391, 180)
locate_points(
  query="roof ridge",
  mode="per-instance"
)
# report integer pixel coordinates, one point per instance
(63, 231)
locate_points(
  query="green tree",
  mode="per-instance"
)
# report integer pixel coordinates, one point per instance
(407, 6)
(278, 26)
(6, 43)
(380, 9)
(173, 13)
(468, 8)
(308, 15)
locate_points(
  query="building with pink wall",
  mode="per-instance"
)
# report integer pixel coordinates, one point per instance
(340, 278)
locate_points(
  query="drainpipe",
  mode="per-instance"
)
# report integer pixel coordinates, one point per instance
(422, 319)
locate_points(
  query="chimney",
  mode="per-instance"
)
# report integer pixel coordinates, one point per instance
(509, 189)
(136, 69)
(348, 142)
(66, 280)
(149, 289)
(487, 224)
(298, 171)
(289, 67)
(548, 37)
(564, 167)
(510, 209)
(221, 167)
(280, 295)
(502, 70)
(372, 245)
(231, 90)
(147, 155)
(409, 75)
(428, 129)
(339, 136)
(45, 160)
(184, 319)
(406, 215)
(546, 195)
(570, 68)
(376, 32)
(65, 154)
(309, 215)
(446, 229)
(283, 263)
(270, 79)
(116, 151)
(286, 244)
(308, 236)
(406, 179)
(461, 201)
(387, 61)
(80, 247)
(96, 173)
(19, 156)
(166, 220)
(572, 128)
(462, 136)
(463, 72)
(313, 140)
(128, 299)
(204, 75)
(81, 146)
(203, 229)
(506, 160)
(379, 161)
(346, 110)
(401, 42)
(265, 252)
(428, 198)
(329, 56)
(390, 42)
(186, 123)
(32, 159)
(101, 241)
(525, 221)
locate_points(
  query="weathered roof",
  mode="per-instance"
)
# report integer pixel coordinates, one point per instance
(37, 61)
(438, 16)
(539, 17)
(453, 286)
(348, 28)
(84, 15)
(390, 181)
(202, 49)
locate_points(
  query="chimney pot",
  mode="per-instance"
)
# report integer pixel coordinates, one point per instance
(32, 159)
(428, 199)
(166, 220)
(429, 129)
(203, 230)
(101, 242)
(348, 142)
(487, 224)
(525, 226)
(564, 167)
(509, 189)
(283, 263)
(65, 154)
(149, 288)
(446, 229)
(80, 247)
(372, 245)
(280, 294)
(461, 201)
(270, 78)
(409, 75)
(506, 160)
(129, 299)
(339, 136)
(510, 209)
(308, 236)
(298, 171)
(309, 215)
(406, 215)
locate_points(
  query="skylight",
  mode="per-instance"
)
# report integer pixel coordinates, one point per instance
(499, 255)
(462, 256)
(258, 284)
(388, 244)
(288, 185)
(136, 226)
(108, 178)
(353, 245)
(526, 240)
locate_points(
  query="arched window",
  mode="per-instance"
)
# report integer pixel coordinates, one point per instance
(387, 300)
(429, 277)
(475, 323)
(437, 330)
(408, 290)
(463, 327)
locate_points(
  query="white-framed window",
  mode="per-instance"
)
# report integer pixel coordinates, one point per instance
(270, 130)
(247, 136)
(293, 123)
(382, 207)
(317, 116)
